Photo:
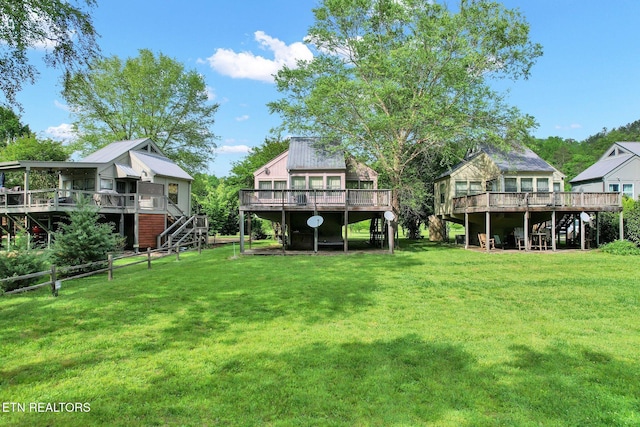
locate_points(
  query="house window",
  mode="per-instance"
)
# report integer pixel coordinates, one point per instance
(475, 187)
(366, 185)
(556, 187)
(279, 185)
(84, 184)
(492, 185)
(614, 188)
(264, 187)
(315, 183)
(173, 192)
(526, 185)
(461, 188)
(442, 189)
(333, 183)
(106, 184)
(542, 185)
(627, 190)
(511, 185)
(298, 182)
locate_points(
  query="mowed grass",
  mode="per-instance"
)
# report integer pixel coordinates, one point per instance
(433, 335)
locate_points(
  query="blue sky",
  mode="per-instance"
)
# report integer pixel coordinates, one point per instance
(587, 79)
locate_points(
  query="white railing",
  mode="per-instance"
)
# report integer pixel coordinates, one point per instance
(537, 199)
(55, 198)
(318, 198)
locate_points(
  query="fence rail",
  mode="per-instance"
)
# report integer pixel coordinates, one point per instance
(107, 265)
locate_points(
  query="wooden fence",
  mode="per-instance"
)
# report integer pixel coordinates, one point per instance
(108, 266)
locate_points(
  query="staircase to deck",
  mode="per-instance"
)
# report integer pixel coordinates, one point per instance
(183, 230)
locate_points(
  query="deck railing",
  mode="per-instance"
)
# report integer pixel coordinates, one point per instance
(310, 198)
(493, 200)
(55, 198)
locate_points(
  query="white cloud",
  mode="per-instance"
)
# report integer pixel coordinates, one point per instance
(211, 95)
(242, 118)
(233, 149)
(62, 132)
(247, 65)
(61, 106)
(570, 127)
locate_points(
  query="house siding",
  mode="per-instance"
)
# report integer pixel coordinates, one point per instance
(149, 227)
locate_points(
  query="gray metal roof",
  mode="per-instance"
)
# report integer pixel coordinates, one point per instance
(633, 147)
(124, 171)
(520, 159)
(600, 168)
(113, 151)
(161, 165)
(309, 154)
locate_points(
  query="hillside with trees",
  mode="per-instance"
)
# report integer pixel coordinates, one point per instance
(572, 157)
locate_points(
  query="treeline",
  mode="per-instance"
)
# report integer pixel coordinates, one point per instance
(572, 157)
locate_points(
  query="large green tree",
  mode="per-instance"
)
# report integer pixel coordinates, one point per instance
(62, 27)
(147, 96)
(10, 126)
(395, 80)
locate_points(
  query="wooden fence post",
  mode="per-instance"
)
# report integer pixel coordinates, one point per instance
(110, 261)
(178, 252)
(148, 258)
(53, 279)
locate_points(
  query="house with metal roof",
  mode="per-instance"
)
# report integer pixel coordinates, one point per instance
(617, 171)
(315, 178)
(135, 186)
(514, 197)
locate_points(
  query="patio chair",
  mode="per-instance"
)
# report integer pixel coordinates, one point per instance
(482, 238)
(518, 234)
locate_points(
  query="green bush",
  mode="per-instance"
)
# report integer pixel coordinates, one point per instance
(84, 239)
(20, 263)
(621, 247)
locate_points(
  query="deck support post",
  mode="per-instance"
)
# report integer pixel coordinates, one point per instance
(487, 231)
(553, 231)
(346, 221)
(582, 231)
(621, 226)
(136, 229)
(249, 228)
(466, 230)
(282, 225)
(526, 231)
(597, 230)
(241, 231)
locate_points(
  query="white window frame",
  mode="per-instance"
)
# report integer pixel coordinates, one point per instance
(627, 193)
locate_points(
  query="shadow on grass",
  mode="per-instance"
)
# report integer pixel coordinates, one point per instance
(405, 381)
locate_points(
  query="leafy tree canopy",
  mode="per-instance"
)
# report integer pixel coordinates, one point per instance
(242, 171)
(397, 79)
(147, 96)
(63, 27)
(10, 126)
(31, 148)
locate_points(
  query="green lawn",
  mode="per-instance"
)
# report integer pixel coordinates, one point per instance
(433, 335)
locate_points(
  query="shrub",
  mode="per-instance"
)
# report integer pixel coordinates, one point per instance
(20, 263)
(84, 239)
(632, 222)
(621, 247)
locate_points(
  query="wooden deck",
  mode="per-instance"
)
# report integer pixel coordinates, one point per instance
(543, 202)
(319, 200)
(59, 200)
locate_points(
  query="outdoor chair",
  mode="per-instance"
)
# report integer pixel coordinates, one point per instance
(518, 234)
(482, 238)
